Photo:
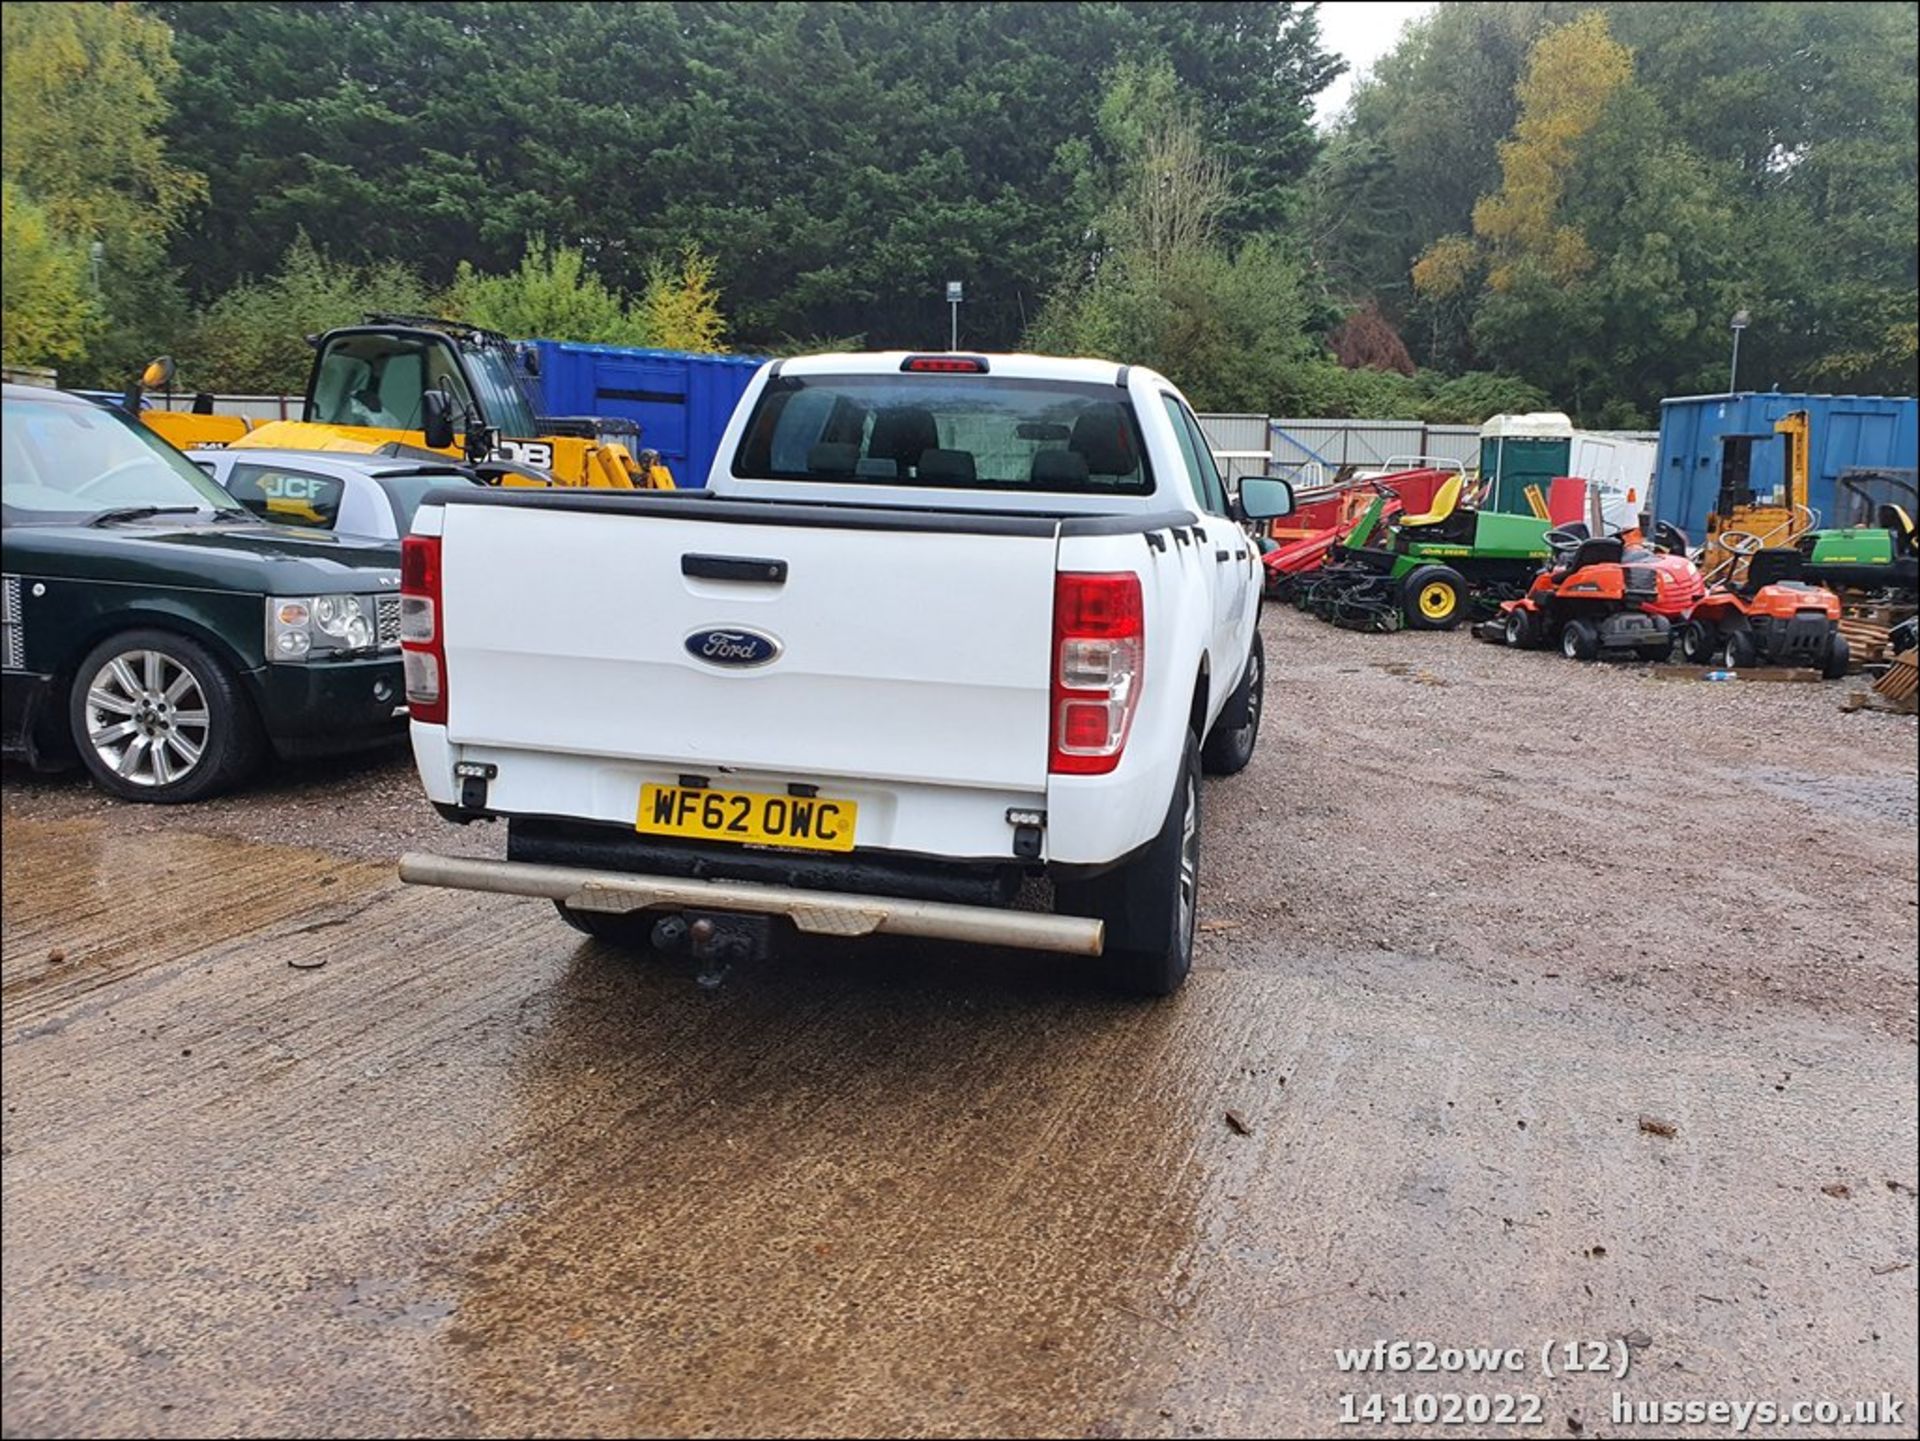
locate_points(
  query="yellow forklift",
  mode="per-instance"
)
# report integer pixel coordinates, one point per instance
(1743, 521)
(410, 383)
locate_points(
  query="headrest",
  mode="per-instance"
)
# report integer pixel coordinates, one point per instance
(1102, 435)
(901, 432)
(946, 467)
(832, 458)
(1059, 467)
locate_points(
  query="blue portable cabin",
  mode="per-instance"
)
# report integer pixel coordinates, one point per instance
(682, 401)
(1713, 442)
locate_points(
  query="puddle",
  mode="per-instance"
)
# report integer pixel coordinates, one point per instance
(1891, 798)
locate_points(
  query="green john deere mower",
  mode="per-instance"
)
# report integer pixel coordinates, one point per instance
(1428, 571)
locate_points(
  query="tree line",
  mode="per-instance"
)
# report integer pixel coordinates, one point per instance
(1527, 204)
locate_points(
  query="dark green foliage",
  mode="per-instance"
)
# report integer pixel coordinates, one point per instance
(839, 161)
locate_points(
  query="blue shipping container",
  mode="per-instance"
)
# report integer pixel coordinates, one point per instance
(682, 401)
(1846, 431)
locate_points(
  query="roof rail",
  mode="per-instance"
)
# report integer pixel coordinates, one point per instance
(458, 328)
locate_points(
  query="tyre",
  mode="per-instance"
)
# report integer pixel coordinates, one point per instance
(1699, 643)
(1523, 629)
(1580, 640)
(1839, 656)
(1228, 750)
(629, 931)
(1741, 650)
(1148, 904)
(157, 717)
(1434, 597)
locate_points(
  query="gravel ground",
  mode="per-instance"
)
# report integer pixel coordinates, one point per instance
(1533, 1003)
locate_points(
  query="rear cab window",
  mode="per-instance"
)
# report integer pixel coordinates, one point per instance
(949, 432)
(288, 497)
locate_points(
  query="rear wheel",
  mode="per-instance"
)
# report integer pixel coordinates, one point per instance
(1434, 597)
(1580, 640)
(1839, 656)
(1699, 642)
(1148, 904)
(1230, 747)
(157, 717)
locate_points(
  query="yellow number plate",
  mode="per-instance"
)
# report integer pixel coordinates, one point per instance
(812, 823)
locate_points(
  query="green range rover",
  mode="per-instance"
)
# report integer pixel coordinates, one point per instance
(159, 633)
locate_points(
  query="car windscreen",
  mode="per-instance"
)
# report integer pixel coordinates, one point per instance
(67, 460)
(952, 432)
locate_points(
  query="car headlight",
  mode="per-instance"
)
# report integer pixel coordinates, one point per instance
(301, 627)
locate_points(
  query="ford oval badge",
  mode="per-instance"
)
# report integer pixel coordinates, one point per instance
(733, 646)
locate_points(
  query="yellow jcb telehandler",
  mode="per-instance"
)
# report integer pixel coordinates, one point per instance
(402, 383)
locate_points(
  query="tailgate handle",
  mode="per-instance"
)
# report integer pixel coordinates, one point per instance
(735, 567)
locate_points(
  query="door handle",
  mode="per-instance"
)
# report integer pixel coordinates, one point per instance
(1221, 555)
(734, 567)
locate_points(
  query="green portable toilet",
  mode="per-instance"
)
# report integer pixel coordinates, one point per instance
(1517, 451)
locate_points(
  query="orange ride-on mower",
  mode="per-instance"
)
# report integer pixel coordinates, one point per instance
(1612, 597)
(1771, 617)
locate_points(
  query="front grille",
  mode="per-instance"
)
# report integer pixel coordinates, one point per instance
(386, 609)
(13, 637)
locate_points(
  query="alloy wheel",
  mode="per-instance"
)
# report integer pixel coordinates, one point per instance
(147, 718)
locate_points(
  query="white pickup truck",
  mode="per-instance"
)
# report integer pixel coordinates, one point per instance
(938, 623)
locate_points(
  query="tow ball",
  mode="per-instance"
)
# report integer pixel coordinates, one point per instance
(718, 937)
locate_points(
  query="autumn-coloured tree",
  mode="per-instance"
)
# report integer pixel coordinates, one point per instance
(681, 307)
(1366, 340)
(1572, 75)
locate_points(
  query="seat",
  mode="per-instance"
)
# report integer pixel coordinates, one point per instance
(946, 467)
(1607, 550)
(900, 434)
(1770, 567)
(1445, 500)
(1103, 437)
(1059, 469)
(832, 458)
(1895, 519)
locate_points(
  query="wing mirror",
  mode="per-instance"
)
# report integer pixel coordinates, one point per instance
(1265, 497)
(436, 418)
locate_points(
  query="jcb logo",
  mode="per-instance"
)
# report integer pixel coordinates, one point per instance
(536, 453)
(292, 487)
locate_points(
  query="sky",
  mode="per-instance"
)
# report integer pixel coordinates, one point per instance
(1360, 33)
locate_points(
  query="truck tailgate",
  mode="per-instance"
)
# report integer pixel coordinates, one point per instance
(905, 654)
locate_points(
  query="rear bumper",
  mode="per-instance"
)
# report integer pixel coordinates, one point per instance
(827, 913)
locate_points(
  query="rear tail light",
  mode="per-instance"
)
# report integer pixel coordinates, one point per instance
(423, 654)
(1099, 656)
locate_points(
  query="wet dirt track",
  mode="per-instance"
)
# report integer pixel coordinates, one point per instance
(477, 1173)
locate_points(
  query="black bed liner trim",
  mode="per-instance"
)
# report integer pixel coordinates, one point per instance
(700, 505)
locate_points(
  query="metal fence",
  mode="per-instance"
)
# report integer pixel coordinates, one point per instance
(1325, 447)
(254, 407)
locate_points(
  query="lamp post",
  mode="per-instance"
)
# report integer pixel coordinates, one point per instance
(97, 252)
(954, 296)
(1738, 324)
